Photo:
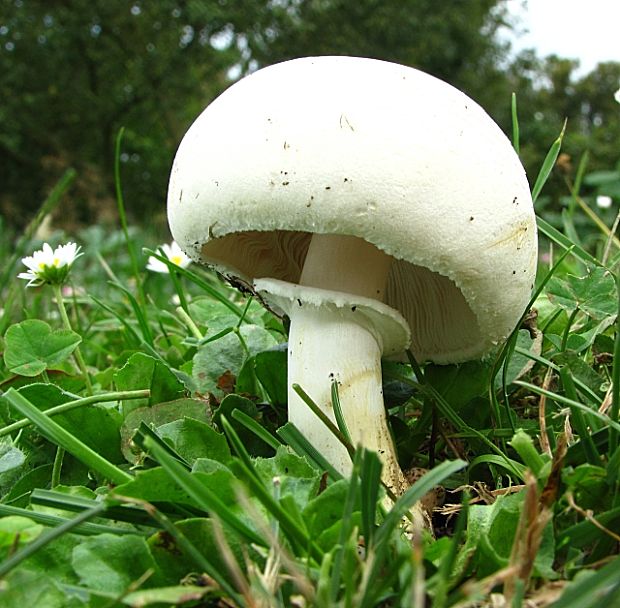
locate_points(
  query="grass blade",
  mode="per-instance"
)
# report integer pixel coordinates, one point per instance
(513, 467)
(77, 504)
(123, 216)
(260, 431)
(84, 528)
(515, 123)
(577, 418)
(600, 588)
(197, 280)
(585, 532)
(425, 484)
(139, 312)
(564, 242)
(49, 204)
(191, 551)
(293, 437)
(47, 537)
(238, 447)
(288, 524)
(338, 413)
(548, 164)
(446, 566)
(324, 419)
(145, 433)
(566, 401)
(507, 349)
(614, 412)
(206, 498)
(56, 434)
(346, 529)
(448, 412)
(71, 405)
(583, 388)
(370, 476)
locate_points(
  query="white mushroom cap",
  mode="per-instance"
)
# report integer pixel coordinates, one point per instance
(352, 146)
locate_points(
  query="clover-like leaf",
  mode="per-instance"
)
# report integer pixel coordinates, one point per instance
(594, 293)
(32, 346)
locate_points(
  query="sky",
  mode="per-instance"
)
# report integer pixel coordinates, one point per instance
(585, 30)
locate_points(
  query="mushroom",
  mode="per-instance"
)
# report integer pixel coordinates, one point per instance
(376, 206)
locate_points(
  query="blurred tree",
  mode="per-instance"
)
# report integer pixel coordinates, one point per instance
(549, 91)
(75, 71)
(451, 40)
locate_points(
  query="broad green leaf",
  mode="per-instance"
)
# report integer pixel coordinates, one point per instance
(297, 478)
(329, 538)
(212, 314)
(270, 368)
(593, 588)
(53, 559)
(589, 485)
(25, 588)
(19, 493)
(477, 520)
(168, 596)
(459, 384)
(11, 458)
(219, 359)
(15, 528)
(155, 485)
(497, 534)
(580, 370)
(95, 425)
(219, 478)
(253, 444)
(145, 372)
(325, 510)
(519, 363)
(193, 439)
(157, 415)
(578, 342)
(201, 533)
(595, 294)
(112, 563)
(32, 347)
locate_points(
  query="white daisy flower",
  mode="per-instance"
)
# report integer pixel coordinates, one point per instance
(603, 202)
(49, 265)
(174, 253)
(617, 96)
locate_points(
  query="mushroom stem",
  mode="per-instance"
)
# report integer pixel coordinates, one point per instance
(326, 346)
(342, 345)
(348, 264)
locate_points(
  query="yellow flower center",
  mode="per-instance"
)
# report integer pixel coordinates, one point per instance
(176, 259)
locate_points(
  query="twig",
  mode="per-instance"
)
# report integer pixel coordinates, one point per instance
(588, 515)
(542, 420)
(611, 239)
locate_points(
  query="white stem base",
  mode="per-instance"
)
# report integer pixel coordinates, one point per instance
(324, 346)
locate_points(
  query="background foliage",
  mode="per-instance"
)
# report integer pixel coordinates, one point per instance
(75, 71)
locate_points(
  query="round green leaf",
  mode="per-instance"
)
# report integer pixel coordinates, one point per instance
(32, 347)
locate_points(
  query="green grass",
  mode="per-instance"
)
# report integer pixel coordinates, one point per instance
(179, 482)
